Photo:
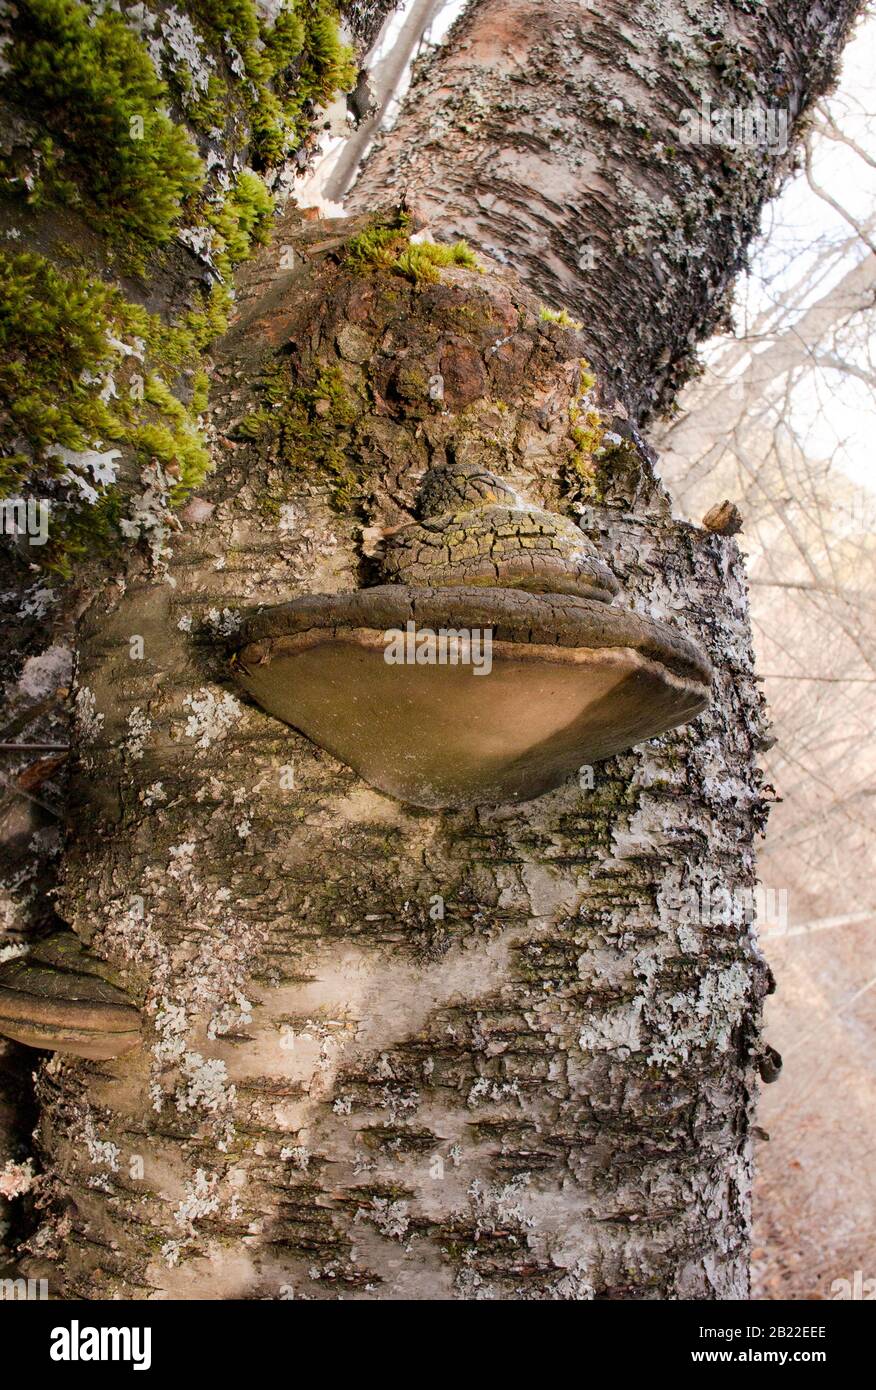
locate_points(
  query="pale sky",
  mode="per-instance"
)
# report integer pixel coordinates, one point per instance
(835, 415)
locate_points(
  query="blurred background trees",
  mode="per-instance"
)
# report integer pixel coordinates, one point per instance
(782, 422)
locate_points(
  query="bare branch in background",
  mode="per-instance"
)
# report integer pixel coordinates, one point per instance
(781, 423)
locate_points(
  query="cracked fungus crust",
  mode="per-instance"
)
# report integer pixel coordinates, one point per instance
(571, 682)
(476, 529)
(509, 548)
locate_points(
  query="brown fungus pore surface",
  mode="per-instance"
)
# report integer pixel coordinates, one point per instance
(488, 669)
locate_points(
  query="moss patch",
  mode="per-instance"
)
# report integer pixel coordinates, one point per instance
(107, 140)
(81, 371)
(297, 62)
(560, 316)
(587, 431)
(387, 245)
(422, 260)
(243, 218)
(315, 435)
(93, 88)
(54, 338)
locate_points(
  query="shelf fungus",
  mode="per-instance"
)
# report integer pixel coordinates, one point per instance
(64, 1000)
(486, 668)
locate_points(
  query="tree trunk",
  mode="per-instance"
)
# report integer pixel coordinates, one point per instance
(388, 1052)
(553, 135)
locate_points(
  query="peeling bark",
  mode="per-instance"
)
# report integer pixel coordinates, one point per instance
(550, 135)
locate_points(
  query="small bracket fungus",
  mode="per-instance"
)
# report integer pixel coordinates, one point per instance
(63, 999)
(486, 669)
(474, 530)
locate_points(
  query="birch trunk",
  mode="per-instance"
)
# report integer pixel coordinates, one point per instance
(392, 1053)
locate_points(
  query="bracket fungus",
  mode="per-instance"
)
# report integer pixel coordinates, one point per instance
(488, 666)
(64, 1000)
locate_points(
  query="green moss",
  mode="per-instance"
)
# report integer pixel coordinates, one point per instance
(237, 18)
(586, 378)
(175, 440)
(328, 66)
(209, 110)
(178, 446)
(62, 339)
(254, 425)
(176, 345)
(241, 221)
(107, 142)
(54, 332)
(560, 316)
(90, 82)
(379, 246)
(387, 245)
(587, 432)
(76, 535)
(311, 430)
(244, 217)
(285, 41)
(299, 60)
(423, 259)
(330, 388)
(200, 392)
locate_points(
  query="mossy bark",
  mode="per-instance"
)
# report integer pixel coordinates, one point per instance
(391, 1053)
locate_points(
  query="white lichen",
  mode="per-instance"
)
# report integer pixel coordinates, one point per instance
(16, 1179)
(139, 729)
(211, 716)
(201, 1199)
(153, 794)
(88, 721)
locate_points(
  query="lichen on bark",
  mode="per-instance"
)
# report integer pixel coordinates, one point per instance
(392, 1053)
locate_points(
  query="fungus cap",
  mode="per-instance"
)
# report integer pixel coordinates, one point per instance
(552, 682)
(61, 998)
